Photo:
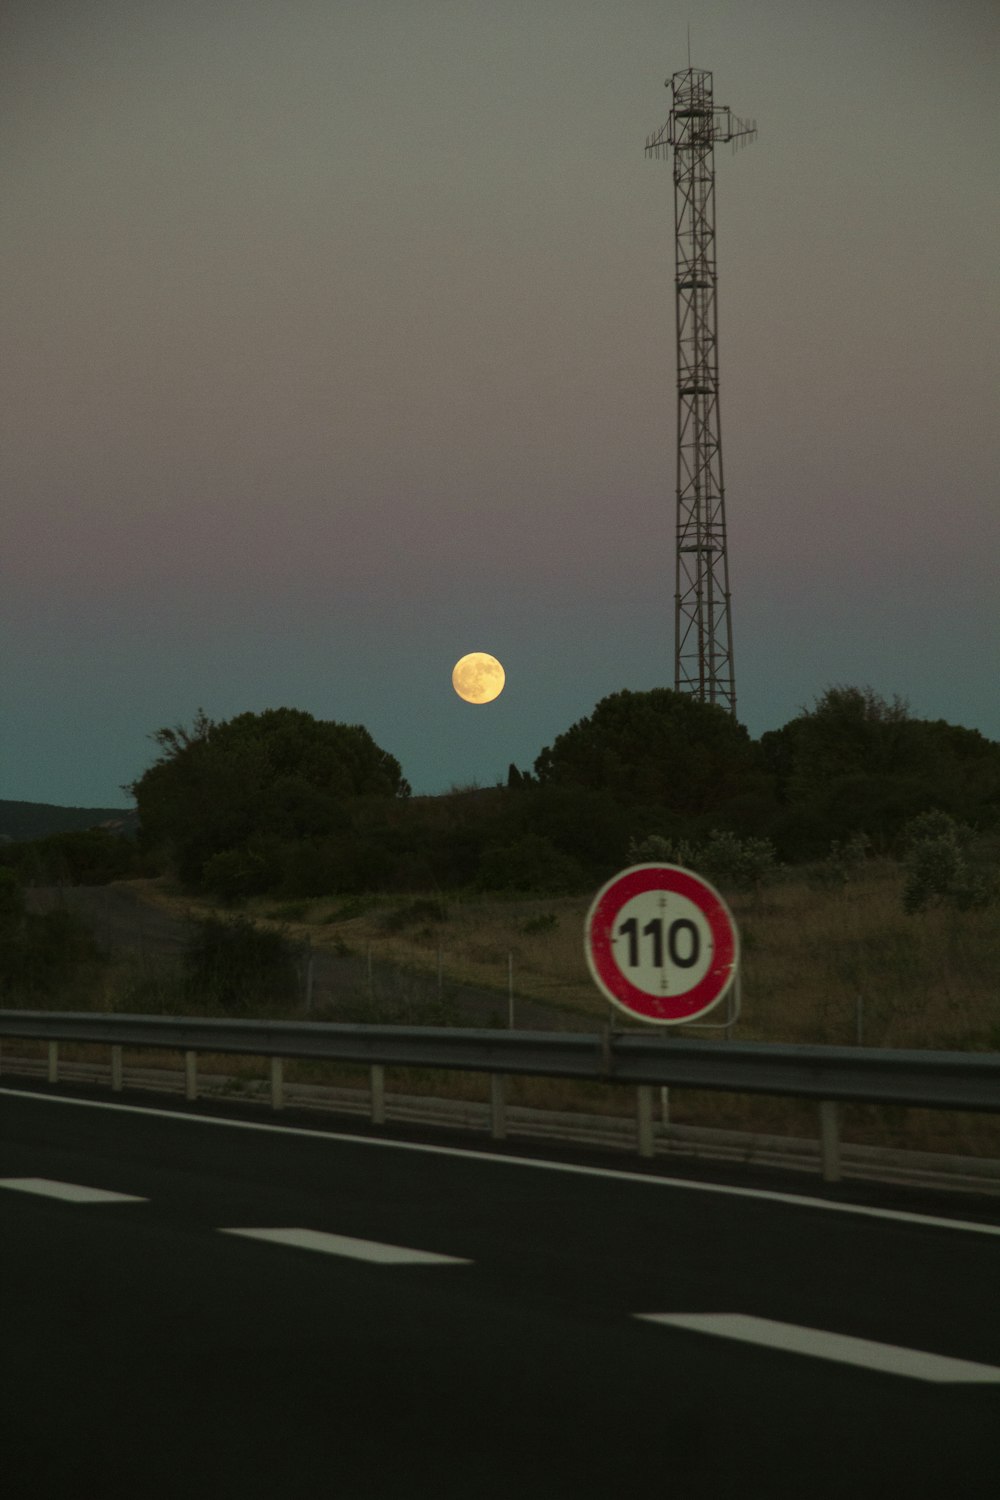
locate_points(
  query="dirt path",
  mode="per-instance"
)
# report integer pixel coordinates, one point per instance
(122, 921)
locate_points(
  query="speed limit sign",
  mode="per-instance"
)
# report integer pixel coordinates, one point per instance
(661, 943)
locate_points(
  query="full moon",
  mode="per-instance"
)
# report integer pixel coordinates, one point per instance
(478, 678)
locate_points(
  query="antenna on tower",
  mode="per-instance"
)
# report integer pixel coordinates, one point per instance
(703, 629)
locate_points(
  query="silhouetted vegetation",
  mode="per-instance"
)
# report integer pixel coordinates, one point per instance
(237, 968)
(857, 764)
(44, 959)
(282, 804)
(260, 802)
(87, 856)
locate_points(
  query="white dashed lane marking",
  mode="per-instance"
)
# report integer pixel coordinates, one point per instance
(790, 1338)
(889, 1359)
(69, 1192)
(342, 1244)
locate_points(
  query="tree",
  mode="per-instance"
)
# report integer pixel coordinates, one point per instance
(253, 785)
(849, 731)
(857, 764)
(657, 749)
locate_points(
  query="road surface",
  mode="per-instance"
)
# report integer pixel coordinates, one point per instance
(254, 1309)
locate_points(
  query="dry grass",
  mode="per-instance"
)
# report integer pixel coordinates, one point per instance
(819, 966)
(816, 963)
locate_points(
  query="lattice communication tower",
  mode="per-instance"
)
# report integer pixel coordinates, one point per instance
(703, 627)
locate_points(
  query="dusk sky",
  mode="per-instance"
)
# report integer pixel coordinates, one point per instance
(338, 341)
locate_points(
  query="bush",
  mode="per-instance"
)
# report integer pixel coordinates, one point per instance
(945, 866)
(51, 956)
(83, 856)
(238, 969)
(724, 858)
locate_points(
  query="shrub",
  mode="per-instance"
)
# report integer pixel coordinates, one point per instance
(237, 968)
(945, 865)
(744, 863)
(51, 955)
(725, 858)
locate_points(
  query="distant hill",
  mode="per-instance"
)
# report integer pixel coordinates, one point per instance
(36, 820)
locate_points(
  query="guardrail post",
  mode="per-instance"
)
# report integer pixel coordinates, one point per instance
(607, 1062)
(53, 1062)
(277, 1083)
(116, 1070)
(498, 1107)
(644, 1118)
(378, 1093)
(190, 1075)
(829, 1139)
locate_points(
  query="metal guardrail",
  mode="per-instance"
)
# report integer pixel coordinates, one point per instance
(829, 1075)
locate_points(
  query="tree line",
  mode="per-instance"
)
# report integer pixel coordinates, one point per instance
(280, 802)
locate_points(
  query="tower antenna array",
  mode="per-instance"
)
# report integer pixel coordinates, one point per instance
(703, 628)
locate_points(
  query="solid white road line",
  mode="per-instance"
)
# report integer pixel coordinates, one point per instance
(69, 1192)
(342, 1244)
(890, 1359)
(460, 1153)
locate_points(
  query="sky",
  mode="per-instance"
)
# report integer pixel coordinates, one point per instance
(338, 341)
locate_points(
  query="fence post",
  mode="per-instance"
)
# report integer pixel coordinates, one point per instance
(53, 1062)
(309, 976)
(116, 1070)
(378, 1093)
(644, 1118)
(498, 1107)
(277, 1083)
(190, 1075)
(829, 1137)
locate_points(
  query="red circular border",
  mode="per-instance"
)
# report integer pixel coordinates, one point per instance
(600, 953)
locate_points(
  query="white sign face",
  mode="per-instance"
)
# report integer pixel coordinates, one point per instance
(661, 943)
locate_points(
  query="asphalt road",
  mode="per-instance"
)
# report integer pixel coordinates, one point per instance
(149, 1350)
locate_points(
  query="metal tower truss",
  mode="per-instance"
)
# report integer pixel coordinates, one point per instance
(703, 630)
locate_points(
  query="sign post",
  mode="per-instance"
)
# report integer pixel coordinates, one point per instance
(661, 944)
